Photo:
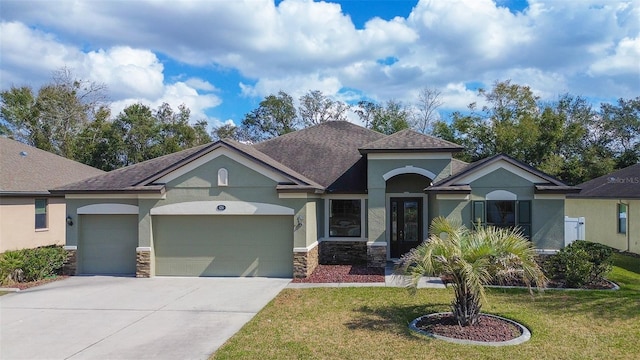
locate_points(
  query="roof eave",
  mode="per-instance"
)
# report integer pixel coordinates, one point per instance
(396, 151)
(155, 189)
(294, 188)
(546, 189)
(456, 189)
(26, 193)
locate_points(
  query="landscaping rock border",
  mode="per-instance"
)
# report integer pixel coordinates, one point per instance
(524, 337)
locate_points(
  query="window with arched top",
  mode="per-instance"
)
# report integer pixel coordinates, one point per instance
(502, 208)
(223, 177)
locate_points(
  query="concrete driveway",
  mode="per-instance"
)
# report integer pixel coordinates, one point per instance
(99, 317)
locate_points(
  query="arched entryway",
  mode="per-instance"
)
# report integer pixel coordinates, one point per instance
(407, 209)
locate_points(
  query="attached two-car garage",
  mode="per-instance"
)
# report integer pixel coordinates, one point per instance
(220, 245)
(190, 239)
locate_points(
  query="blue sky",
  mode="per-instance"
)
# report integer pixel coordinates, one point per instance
(222, 57)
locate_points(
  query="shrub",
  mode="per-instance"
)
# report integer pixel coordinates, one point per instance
(31, 264)
(580, 263)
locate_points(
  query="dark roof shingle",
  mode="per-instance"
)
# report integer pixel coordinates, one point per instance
(621, 184)
(410, 141)
(28, 170)
(327, 153)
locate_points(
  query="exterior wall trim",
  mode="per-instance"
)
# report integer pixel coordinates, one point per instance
(465, 197)
(115, 196)
(409, 169)
(409, 156)
(298, 196)
(376, 243)
(549, 196)
(108, 209)
(305, 249)
(221, 208)
(343, 239)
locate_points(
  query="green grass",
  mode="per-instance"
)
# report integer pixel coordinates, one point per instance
(371, 323)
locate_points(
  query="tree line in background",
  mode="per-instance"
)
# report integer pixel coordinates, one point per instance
(71, 118)
(567, 138)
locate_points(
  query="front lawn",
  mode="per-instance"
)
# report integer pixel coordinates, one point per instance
(371, 323)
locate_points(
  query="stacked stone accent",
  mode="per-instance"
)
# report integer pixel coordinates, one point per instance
(304, 262)
(343, 252)
(377, 255)
(70, 265)
(143, 263)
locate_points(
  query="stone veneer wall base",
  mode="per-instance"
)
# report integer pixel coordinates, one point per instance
(143, 263)
(305, 262)
(70, 266)
(376, 255)
(343, 252)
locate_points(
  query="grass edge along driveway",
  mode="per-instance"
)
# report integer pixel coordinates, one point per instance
(357, 323)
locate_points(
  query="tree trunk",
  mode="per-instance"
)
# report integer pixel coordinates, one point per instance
(466, 307)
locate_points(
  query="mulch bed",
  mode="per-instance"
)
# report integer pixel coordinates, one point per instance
(27, 285)
(344, 274)
(487, 329)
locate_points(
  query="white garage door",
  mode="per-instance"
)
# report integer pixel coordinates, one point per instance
(209, 245)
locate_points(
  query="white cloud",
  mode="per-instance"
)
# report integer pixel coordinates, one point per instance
(625, 59)
(588, 48)
(31, 55)
(127, 72)
(132, 75)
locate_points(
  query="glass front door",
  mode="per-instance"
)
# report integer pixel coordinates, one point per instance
(406, 225)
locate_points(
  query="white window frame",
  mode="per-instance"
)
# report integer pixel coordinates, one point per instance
(622, 217)
(46, 214)
(223, 177)
(327, 213)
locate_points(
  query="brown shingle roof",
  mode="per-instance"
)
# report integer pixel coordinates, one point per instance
(621, 184)
(321, 157)
(327, 153)
(28, 170)
(131, 178)
(410, 141)
(140, 177)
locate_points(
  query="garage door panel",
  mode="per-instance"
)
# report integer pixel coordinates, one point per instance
(107, 244)
(224, 245)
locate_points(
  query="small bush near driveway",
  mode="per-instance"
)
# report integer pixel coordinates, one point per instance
(28, 265)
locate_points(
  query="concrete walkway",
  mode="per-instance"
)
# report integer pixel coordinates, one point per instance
(389, 281)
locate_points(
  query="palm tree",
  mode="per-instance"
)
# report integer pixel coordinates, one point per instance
(470, 259)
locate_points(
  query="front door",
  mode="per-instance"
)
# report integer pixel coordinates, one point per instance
(406, 225)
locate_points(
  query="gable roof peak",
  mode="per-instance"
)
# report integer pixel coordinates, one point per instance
(409, 140)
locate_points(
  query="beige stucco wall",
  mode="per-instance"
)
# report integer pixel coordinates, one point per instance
(17, 223)
(601, 224)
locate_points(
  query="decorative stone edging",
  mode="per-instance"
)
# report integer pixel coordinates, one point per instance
(614, 288)
(526, 334)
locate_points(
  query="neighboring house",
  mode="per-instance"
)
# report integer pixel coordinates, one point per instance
(30, 216)
(610, 205)
(332, 193)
